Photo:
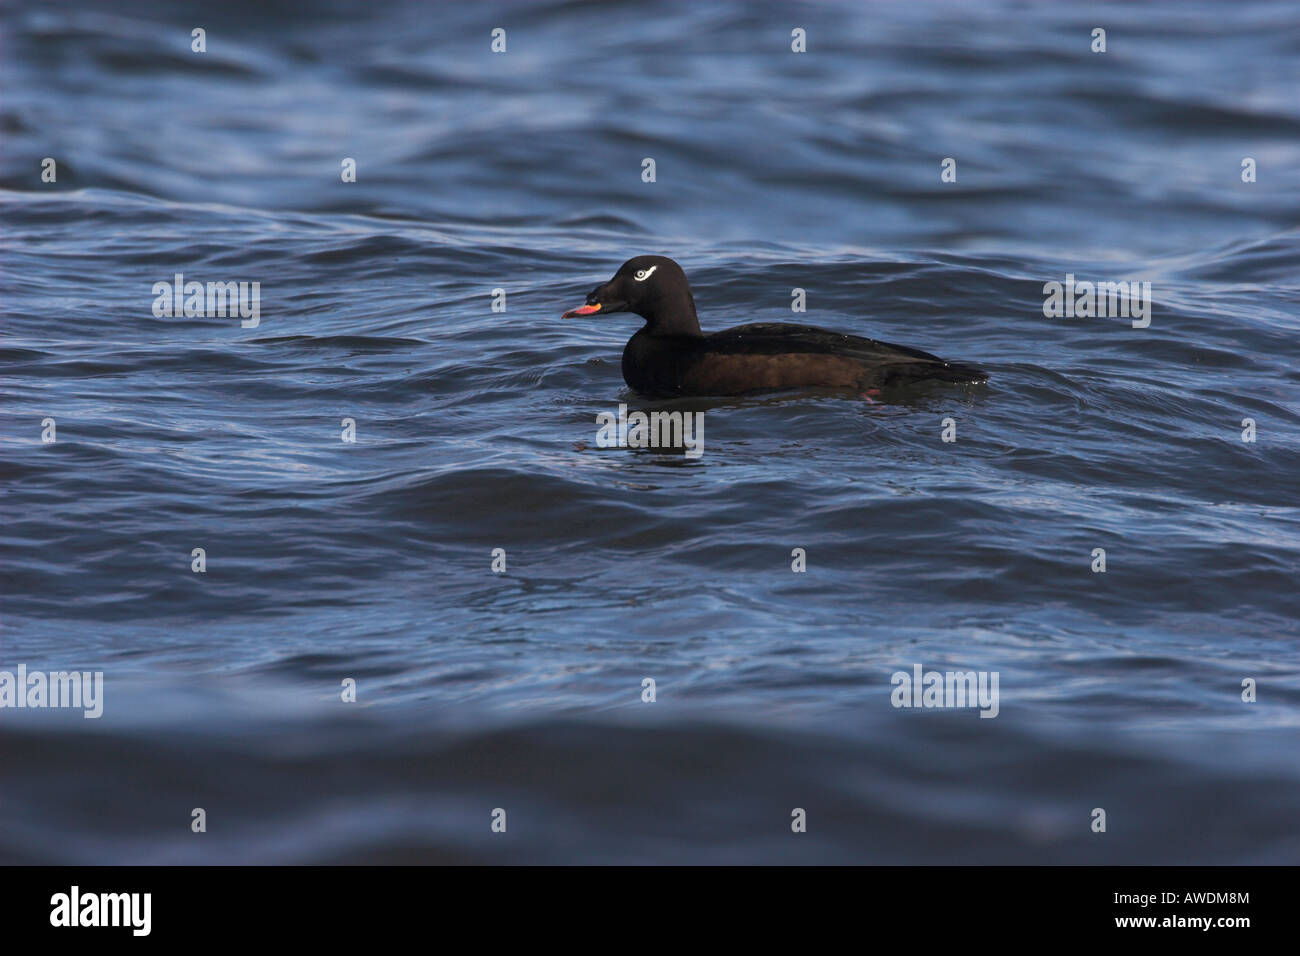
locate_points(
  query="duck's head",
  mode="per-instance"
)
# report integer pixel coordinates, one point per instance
(653, 287)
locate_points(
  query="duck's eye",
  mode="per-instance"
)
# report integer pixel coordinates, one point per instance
(643, 274)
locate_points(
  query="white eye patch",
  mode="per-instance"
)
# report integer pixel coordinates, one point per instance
(643, 274)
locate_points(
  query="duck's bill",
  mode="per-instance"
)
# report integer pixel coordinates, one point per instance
(581, 310)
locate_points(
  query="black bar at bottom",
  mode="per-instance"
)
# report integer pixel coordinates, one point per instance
(317, 904)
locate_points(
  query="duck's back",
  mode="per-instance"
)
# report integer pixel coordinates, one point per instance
(768, 356)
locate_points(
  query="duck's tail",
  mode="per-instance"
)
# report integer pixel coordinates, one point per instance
(958, 373)
(919, 373)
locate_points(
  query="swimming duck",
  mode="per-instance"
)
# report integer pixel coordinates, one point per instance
(672, 356)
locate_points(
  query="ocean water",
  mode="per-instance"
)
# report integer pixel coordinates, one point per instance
(475, 429)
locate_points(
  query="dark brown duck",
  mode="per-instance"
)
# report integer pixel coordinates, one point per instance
(670, 355)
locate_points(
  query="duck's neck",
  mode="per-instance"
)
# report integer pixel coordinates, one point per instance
(673, 315)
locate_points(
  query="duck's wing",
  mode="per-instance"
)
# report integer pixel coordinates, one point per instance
(899, 364)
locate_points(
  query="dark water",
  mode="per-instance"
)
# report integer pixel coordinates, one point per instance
(476, 430)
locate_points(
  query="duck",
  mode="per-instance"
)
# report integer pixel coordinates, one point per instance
(672, 356)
